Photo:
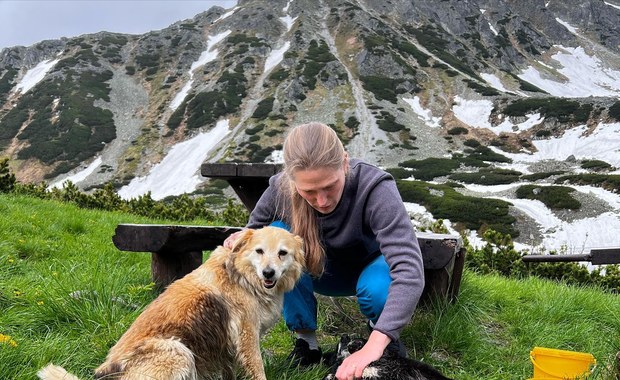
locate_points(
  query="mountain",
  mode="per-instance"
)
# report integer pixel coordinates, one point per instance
(526, 89)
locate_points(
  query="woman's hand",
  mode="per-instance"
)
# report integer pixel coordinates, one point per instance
(230, 240)
(353, 366)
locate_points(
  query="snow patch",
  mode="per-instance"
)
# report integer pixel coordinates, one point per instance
(602, 144)
(612, 5)
(584, 75)
(494, 81)
(205, 57)
(179, 171)
(570, 28)
(79, 176)
(474, 113)
(35, 75)
(424, 113)
(275, 57)
(226, 15)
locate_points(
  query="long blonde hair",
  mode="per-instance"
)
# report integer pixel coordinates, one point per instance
(309, 146)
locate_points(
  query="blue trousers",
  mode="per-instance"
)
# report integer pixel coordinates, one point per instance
(370, 285)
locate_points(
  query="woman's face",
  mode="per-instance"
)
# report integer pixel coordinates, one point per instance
(322, 188)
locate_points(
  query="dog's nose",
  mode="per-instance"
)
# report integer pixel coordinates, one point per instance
(268, 273)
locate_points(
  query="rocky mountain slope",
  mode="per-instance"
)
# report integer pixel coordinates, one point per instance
(398, 80)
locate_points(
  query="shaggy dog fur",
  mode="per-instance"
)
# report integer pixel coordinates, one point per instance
(210, 321)
(389, 367)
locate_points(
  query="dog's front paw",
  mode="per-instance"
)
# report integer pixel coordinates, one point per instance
(331, 376)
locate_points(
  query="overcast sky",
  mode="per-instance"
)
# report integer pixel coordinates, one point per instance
(25, 22)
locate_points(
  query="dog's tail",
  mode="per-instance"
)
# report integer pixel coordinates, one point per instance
(54, 372)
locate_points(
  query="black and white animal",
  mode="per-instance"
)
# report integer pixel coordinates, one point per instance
(390, 366)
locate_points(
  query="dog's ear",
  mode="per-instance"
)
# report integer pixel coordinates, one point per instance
(242, 240)
(300, 241)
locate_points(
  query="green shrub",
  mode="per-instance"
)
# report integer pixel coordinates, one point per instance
(466, 212)
(483, 153)
(388, 123)
(382, 87)
(458, 131)
(596, 165)
(487, 176)
(263, 108)
(255, 130)
(279, 75)
(562, 109)
(319, 52)
(81, 128)
(543, 133)
(430, 168)
(539, 176)
(472, 143)
(7, 179)
(498, 255)
(614, 111)
(6, 81)
(554, 197)
(481, 89)
(609, 182)
(412, 50)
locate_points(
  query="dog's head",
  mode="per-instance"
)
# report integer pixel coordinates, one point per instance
(275, 255)
(348, 345)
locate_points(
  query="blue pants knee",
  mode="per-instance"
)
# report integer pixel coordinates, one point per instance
(370, 285)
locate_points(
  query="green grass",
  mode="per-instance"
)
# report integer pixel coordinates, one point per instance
(50, 250)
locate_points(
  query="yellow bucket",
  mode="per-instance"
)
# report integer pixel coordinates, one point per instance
(550, 363)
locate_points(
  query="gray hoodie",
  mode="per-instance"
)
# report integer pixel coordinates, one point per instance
(370, 219)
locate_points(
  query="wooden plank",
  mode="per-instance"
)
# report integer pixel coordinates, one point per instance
(171, 239)
(216, 170)
(257, 170)
(605, 256)
(555, 258)
(600, 256)
(239, 170)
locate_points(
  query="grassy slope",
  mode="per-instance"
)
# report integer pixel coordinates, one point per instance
(49, 250)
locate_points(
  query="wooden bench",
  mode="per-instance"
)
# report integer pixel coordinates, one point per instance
(599, 256)
(177, 250)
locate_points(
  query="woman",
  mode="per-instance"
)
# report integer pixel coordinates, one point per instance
(358, 238)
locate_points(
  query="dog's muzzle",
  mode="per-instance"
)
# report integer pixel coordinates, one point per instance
(269, 278)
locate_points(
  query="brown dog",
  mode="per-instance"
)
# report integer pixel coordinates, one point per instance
(210, 321)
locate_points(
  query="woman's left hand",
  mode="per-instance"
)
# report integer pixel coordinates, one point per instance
(353, 366)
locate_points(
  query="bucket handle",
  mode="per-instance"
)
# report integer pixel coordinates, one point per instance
(592, 367)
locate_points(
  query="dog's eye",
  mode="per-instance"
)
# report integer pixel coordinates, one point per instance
(259, 251)
(282, 253)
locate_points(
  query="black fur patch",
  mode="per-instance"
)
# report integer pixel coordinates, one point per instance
(389, 367)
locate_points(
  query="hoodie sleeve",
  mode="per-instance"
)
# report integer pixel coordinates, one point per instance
(388, 218)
